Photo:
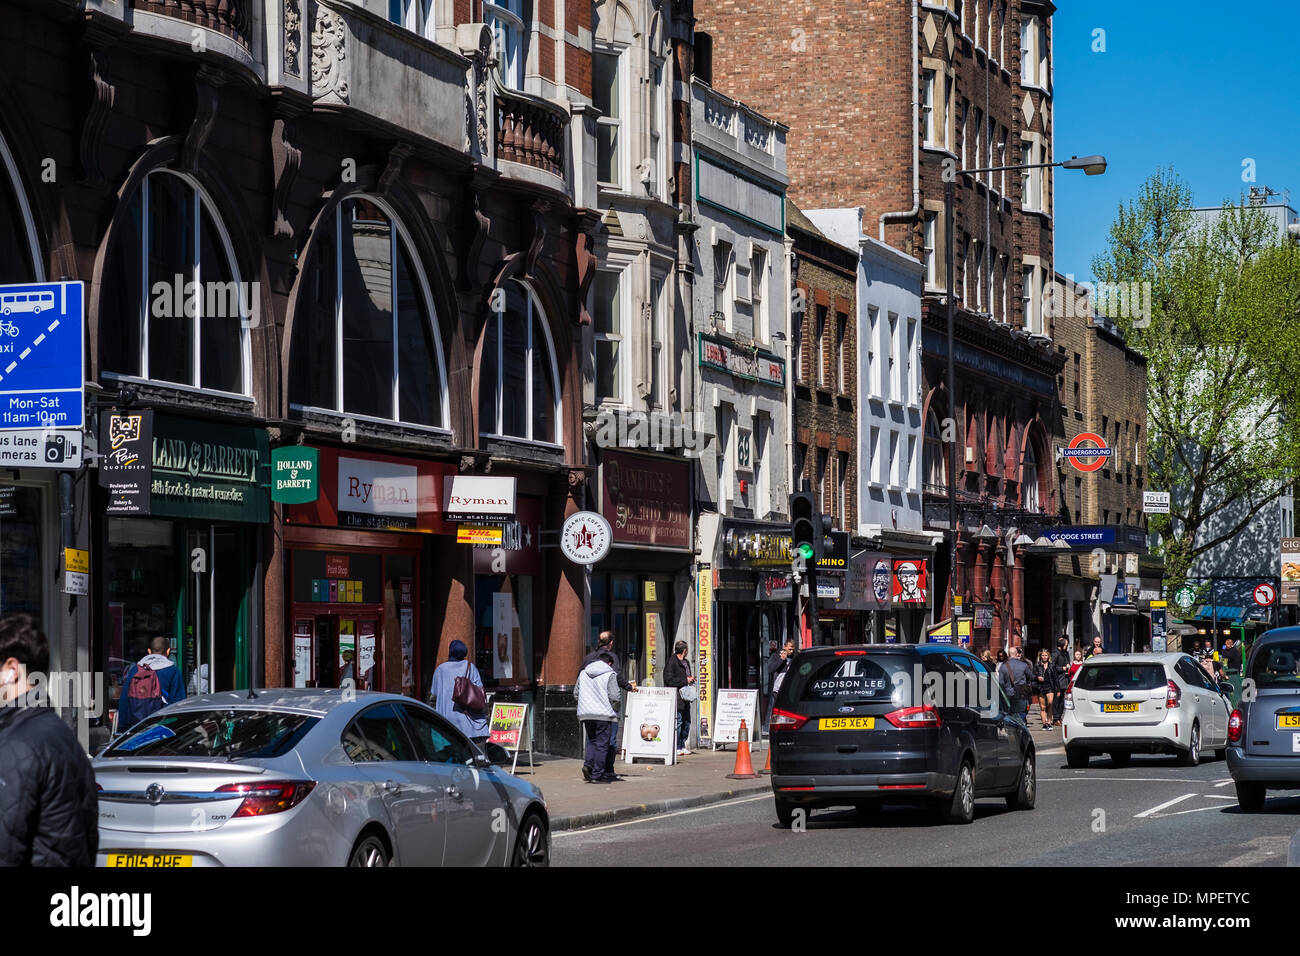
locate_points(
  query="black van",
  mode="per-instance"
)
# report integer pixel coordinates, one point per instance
(868, 724)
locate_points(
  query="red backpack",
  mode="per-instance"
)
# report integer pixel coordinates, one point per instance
(143, 697)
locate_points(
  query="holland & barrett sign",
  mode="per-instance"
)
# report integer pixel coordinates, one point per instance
(295, 475)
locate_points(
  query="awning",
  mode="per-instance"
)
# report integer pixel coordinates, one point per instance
(1120, 609)
(1222, 612)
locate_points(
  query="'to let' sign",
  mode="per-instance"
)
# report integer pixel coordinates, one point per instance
(1099, 453)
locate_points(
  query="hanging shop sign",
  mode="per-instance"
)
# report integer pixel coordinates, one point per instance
(983, 615)
(866, 582)
(208, 471)
(125, 439)
(757, 365)
(745, 548)
(646, 500)
(375, 492)
(478, 534)
(835, 553)
(518, 551)
(476, 497)
(1289, 561)
(910, 584)
(585, 537)
(295, 474)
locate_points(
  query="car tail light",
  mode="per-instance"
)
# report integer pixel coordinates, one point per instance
(1174, 696)
(857, 653)
(1235, 726)
(270, 797)
(911, 717)
(785, 720)
(1069, 696)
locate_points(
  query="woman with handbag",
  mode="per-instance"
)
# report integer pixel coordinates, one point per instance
(1045, 689)
(677, 673)
(457, 694)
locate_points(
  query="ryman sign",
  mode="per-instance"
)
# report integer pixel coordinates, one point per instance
(476, 498)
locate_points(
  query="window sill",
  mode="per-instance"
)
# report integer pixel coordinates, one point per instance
(162, 384)
(333, 415)
(522, 442)
(1036, 87)
(937, 148)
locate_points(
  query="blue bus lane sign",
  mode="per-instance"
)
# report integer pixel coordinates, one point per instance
(42, 374)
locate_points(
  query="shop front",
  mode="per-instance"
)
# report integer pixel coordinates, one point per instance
(640, 591)
(356, 562)
(183, 552)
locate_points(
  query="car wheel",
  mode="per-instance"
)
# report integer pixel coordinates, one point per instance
(961, 809)
(784, 812)
(1027, 790)
(369, 851)
(1075, 758)
(533, 846)
(1192, 756)
(1120, 758)
(1251, 796)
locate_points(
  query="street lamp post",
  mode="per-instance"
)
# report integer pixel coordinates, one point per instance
(1092, 166)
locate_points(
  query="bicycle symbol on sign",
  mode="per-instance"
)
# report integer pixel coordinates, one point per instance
(8, 328)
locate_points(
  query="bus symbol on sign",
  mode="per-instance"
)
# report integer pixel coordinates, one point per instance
(1265, 595)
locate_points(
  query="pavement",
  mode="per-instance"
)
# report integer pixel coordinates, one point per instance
(647, 789)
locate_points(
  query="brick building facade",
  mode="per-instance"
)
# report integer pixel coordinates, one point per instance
(943, 87)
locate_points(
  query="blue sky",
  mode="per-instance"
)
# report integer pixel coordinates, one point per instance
(1201, 85)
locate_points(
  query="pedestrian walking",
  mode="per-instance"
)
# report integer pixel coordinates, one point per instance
(598, 700)
(1232, 656)
(1016, 678)
(150, 684)
(472, 723)
(989, 661)
(1045, 688)
(605, 645)
(1061, 666)
(49, 808)
(1097, 649)
(1076, 664)
(677, 673)
(777, 666)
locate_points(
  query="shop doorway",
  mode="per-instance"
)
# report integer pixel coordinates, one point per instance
(330, 649)
(213, 652)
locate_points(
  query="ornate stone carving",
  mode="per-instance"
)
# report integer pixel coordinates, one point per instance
(586, 259)
(329, 57)
(99, 106)
(206, 84)
(577, 478)
(540, 230)
(285, 160)
(292, 37)
(396, 157)
(476, 231)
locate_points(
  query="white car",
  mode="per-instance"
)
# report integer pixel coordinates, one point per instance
(1121, 704)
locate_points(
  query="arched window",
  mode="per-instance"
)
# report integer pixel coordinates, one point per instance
(173, 307)
(936, 461)
(518, 392)
(20, 259)
(365, 334)
(1029, 500)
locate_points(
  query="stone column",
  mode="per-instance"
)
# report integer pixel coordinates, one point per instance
(1018, 595)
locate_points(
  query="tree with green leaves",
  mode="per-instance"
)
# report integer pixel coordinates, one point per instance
(1222, 342)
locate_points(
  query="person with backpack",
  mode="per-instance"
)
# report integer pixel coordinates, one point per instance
(1016, 679)
(149, 685)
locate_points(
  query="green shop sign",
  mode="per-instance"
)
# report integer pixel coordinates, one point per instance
(295, 477)
(210, 472)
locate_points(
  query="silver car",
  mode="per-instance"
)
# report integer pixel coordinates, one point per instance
(1264, 730)
(311, 778)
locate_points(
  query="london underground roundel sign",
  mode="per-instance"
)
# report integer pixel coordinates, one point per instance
(586, 537)
(1099, 452)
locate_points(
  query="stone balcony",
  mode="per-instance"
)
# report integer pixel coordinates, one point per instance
(529, 131)
(228, 17)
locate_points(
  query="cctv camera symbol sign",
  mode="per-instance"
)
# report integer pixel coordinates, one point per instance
(1265, 595)
(1098, 454)
(42, 375)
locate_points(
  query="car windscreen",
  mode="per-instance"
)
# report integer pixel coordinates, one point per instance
(1277, 665)
(823, 679)
(229, 733)
(1121, 677)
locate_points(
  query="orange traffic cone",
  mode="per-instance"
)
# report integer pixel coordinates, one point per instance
(767, 767)
(744, 766)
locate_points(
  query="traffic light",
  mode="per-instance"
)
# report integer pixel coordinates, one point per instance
(805, 526)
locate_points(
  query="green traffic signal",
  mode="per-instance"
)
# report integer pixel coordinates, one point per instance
(806, 551)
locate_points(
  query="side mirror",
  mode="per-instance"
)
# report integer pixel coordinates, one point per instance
(496, 754)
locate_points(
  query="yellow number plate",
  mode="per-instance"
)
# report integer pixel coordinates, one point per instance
(847, 723)
(151, 860)
(1119, 708)
(1288, 721)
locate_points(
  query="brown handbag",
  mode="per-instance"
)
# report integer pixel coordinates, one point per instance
(468, 694)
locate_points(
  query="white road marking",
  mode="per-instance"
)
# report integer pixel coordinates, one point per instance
(1178, 813)
(660, 816)
(1218, 796)
(1166, 804)
(1224, 783)
(1082, 779)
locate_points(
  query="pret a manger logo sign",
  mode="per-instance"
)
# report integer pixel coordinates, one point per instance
(1087, 451)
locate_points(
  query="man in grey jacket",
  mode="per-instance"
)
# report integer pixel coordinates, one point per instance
(598, 701)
